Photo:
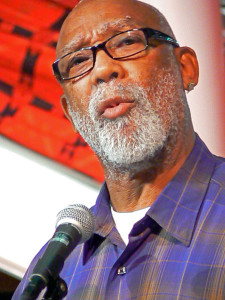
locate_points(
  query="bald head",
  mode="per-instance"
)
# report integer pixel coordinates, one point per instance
(144, 8)
(132, 13)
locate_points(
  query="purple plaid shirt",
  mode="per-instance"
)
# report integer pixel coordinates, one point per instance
(177, 251)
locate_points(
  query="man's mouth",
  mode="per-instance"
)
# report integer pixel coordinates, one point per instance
(115, 107)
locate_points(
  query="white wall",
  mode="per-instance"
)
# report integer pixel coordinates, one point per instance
(33, 190)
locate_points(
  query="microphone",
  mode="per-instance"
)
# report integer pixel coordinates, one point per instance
(74, 225)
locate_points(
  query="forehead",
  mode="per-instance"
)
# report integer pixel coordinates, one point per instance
(79, 39)
(95, 20)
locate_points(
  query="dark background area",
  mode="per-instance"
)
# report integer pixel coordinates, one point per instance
(8, 285)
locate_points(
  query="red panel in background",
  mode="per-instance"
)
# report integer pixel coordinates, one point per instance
(30, 111)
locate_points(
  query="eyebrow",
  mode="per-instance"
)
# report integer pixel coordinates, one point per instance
(73, 44)
(112, 26)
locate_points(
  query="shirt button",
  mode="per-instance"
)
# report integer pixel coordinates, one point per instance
(121, 271)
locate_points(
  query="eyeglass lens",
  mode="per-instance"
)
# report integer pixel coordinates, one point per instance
(119, 46)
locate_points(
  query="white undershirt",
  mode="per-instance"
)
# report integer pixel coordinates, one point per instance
(125, 221)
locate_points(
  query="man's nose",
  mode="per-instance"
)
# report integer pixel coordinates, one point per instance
(106, 69)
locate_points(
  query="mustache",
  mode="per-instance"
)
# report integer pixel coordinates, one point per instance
(112, 90)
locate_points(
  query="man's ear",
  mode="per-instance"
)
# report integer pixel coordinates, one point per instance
(188, 62)
(65, 108)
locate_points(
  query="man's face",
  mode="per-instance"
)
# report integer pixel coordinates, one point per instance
(126, 110)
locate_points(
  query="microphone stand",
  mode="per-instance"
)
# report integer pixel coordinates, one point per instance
(56, 289)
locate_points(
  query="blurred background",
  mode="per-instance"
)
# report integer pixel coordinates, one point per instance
(44, 165)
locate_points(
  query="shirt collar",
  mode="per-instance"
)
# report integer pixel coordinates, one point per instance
(176, 208)
(102, 212)
(104, 224)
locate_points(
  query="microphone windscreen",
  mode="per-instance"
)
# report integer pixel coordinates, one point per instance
(79, 216)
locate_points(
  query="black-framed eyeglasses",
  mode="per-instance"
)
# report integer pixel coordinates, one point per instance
(130, 43)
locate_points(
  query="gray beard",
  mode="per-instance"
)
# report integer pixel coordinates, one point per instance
(132, 141)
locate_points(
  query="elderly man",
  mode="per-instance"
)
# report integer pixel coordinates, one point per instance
(124, 78)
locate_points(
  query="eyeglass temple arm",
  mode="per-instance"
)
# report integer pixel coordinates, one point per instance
(161, 36)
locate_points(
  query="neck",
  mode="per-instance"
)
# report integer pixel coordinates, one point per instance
(131, 190)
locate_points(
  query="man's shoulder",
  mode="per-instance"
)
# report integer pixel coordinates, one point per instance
(219, 172)
(216, 190)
